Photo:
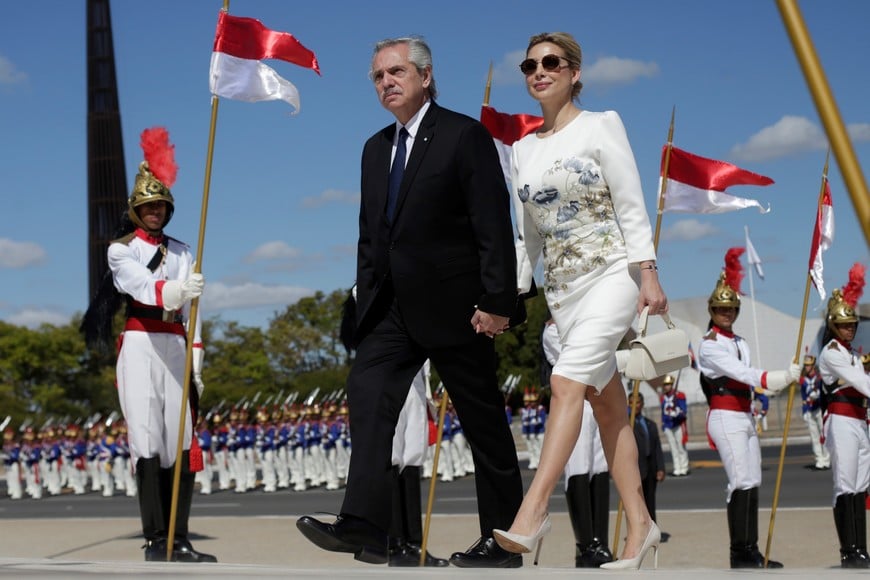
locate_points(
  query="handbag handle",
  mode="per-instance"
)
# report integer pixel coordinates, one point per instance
(644, 317)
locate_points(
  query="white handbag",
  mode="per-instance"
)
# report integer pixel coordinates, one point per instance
(655, 355)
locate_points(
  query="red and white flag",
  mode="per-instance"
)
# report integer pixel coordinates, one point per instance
(697, 184)
(506, 130)
(823, 237)
(236, 71)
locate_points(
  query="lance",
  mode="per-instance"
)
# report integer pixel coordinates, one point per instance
(828, 111)
(191, 327)
(442, 411)
(791, 388)
(660, 208)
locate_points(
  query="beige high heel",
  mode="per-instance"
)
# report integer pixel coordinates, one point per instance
(520, 544)
(652, 541)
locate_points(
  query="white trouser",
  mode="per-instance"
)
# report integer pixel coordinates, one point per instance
(849, 444)
(13, 480)
(814, 425)
(267, 465)
(679, 454)
(223, 471)
(150, 375)
(735, 437)
(282, 467)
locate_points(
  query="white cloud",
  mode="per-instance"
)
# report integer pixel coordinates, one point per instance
(331, 196)
(9, 75)
(219, 296)
(611, 71)
(20, 254)
(33, 318)
(273, 251)
(689, 230)
(788, 136)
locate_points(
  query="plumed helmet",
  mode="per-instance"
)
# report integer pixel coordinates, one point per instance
(809, 360)
(841, 305)
(668, 380)
(865, 359)
(156, 174)
(723, 295)
(727, 291)
(839, 311)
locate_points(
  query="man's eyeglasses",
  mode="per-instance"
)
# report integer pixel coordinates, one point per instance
(550, 62)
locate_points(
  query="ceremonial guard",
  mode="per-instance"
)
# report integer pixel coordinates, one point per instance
(205, 476)
(266, 436)
(12, 463)
(31, 453)
(155, 274)
(220, 438)
(76, 459)
(675, 411)
(95, 435)
(533, 418)
(282, 444)
(330, 433)
(811, 410)
(847, 388)
(727, 379)
(52, 456)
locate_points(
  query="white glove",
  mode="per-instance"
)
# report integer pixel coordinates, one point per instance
(176, 292)
(198, 356)
(778, 380)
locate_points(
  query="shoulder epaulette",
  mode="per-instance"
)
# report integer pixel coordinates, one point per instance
(833, 345)
(125, 239)
(177, 241)
(711, 335)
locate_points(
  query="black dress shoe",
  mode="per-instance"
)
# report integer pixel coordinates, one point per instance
(183, 551)
(486, 553)
(408, 556)
(347, 534)
(155, 550)
(750, 557)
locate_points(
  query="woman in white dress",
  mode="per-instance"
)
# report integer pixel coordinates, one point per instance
(580, 203)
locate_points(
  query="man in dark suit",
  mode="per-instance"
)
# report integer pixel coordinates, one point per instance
(650, 457)
(436, 278)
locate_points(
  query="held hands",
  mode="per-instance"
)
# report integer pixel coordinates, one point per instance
(177, 292)
(198, 356)
(488, 324)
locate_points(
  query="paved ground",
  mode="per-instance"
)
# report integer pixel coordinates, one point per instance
(805, 541)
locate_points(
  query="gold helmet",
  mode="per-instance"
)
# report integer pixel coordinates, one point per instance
(839, 311)
(809, 360)
(865, 359)
(723, 295)
(668, 380)
(156, 175)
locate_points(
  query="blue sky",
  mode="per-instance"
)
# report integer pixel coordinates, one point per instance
(284, 190)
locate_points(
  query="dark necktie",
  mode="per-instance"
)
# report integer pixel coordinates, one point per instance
(646, 441)
(396, 173)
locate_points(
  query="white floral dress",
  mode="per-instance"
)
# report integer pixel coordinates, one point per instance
(579, 202)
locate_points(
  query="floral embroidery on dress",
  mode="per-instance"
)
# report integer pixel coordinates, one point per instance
(573, 212)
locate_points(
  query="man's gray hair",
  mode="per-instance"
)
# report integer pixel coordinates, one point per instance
(418, 53)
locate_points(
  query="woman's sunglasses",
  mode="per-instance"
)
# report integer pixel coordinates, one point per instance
(550, 63)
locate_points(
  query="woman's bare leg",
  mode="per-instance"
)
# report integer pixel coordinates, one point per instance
(620, 449)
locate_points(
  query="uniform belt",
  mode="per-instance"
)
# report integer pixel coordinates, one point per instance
(857, 401)
(739, 393)
(154, 314)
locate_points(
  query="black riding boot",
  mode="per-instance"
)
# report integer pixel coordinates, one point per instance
(151, 508)
(743, 530)
(599, 488)
(851, 530)
(579, 501)
(411, 522)
(182, 550)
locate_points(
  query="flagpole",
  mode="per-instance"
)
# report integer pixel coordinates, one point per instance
(754, 308)
(828, 111)
(191, 329)
(488, 88)
(442, 412)
(635, 387)
(791, 388)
